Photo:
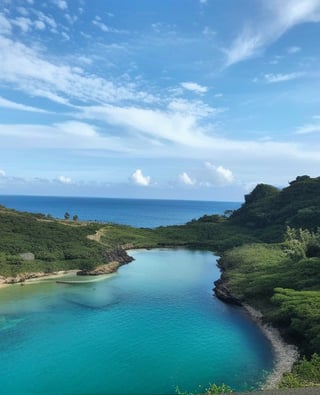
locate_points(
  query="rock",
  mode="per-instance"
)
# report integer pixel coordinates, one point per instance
(223, 293)
(27, 256)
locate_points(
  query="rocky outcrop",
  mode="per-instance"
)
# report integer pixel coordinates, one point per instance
(27, 256)
(115, 258)
(222, 292)
(118, 254)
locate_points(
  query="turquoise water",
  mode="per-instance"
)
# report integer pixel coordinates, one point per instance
(150, 327)
(147, 213)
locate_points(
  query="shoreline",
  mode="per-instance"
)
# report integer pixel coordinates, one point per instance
(31, 278)
(286, 355)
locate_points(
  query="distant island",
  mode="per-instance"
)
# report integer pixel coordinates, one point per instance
(269, 257)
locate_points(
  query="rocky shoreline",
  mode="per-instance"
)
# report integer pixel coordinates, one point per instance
(116, 258)
(285, 354)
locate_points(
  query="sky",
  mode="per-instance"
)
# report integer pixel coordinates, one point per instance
(171, 99)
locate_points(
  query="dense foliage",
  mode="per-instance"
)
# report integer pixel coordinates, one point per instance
(268, 211)
(55, 245)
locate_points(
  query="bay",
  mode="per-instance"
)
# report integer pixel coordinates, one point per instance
(151, 327)
(147, 213)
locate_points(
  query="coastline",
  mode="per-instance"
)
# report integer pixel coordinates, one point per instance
(117, 257)
(285, 354)
(30, 278)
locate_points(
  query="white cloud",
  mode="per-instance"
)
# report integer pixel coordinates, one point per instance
(101, 25)
(5, 25)
(272, 78)
(2, 173)
(23, 23)
(138, 178)
(23, 11)
(194, 87)
(178, 134)
(207, 31)
(197, 108)
(39, 25)
(62, 4)
(65, 180)
(29, 71)
(67, 135)
(48, 20)
(220, 174)
(309, 128)
(171, 126)
(203, 1)
(17, 106)
(245, 46)
(280, 16)
(78, 129)
(293, 49)
(186, 179)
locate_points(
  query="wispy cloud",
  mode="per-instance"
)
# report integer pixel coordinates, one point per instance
(62, 4)
(65, 180)
(186, 179)
(101, 25)
(17, 106)
(293, 49)
(5, 25)
(27, 69)
(194, 87)
(273, 78)
(309, 128)
(280, 16)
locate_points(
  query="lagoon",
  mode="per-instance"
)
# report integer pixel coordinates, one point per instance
(150, 327)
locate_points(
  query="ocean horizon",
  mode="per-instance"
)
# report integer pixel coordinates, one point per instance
(149, 213)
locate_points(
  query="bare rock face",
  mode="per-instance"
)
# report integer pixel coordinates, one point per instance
(118, 254)
(223, 293)
(115, 258)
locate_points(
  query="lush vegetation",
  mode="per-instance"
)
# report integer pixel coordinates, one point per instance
(270, 255)
(305, 373)
(55, 245)
(212, 389)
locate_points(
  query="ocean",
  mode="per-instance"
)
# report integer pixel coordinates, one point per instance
(145, 213)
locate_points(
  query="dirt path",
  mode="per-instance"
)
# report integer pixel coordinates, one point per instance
(97, 235)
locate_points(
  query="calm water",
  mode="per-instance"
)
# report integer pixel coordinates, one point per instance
(150, 327)
(135, 212)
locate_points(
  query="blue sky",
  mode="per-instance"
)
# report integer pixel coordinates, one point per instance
(178, 99)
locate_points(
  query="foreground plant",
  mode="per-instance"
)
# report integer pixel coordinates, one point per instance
(212, 389)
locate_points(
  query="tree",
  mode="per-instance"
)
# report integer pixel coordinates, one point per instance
(75, 217)
(67, 216)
